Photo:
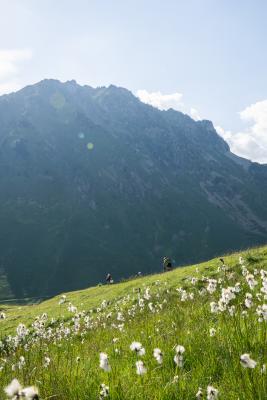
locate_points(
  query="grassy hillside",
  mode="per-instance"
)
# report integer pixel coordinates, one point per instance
(215, 312)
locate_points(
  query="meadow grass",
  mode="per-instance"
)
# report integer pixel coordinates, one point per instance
(60, 352)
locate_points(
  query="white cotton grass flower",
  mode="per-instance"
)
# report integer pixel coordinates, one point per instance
(194, 281)
(22, 331)
(104, 363)
(104, 391)
(47, 361)
(179, 358)
(247, 362)
(147, 295)
(141, 303)
(227, 295)
(251, 281)
(241, 260)
(140, 368)
(21, 362)
(138, 348)
(62, 299)
(212, 332)
(262, 312)
(157, 353)
(248, 300)
(212, 285)
(120, 316)
(120, 327)
(237, 287)
(72, 308)
(13, 389)
(30, 393)
(264, 286)
(179, 349)
(199, 394)
(244, 270)
(214, 308)
(212, 393)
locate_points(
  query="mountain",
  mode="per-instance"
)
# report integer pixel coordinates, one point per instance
(94, 181)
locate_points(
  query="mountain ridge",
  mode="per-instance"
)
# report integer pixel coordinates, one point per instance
(95, 181)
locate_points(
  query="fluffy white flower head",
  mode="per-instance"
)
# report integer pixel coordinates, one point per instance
(247, 362)
(30, 393)
(199, 395)
(140, 368)
(138, 348)
(212, 393)
(13, 389)
(179, 349)
(104, 363)
(157, 353)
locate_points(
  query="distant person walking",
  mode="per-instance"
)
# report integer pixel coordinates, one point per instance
(109, 279)
(167, 264)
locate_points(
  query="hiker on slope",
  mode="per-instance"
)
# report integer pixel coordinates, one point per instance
(167, 264)
(109, 279)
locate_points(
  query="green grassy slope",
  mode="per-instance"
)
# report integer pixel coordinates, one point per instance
(160, 311)
(93, 296)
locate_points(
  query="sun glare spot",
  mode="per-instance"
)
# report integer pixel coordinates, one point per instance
(90, 146)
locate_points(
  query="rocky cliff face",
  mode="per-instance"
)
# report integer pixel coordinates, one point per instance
(94, 181)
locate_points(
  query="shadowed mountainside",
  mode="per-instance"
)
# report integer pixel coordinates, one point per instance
(94, 181)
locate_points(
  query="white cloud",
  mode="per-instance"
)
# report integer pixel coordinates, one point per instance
(195, 114)
(167, 101)
(251, 142)
(227, 135)
(8, 87)
(10, 61)
(161, 101)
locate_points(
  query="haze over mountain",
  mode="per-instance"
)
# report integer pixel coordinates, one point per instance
(95, 181)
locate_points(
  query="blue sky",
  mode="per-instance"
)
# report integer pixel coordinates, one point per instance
(208, 56)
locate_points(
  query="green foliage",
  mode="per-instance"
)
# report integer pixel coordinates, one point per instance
(254, 258)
